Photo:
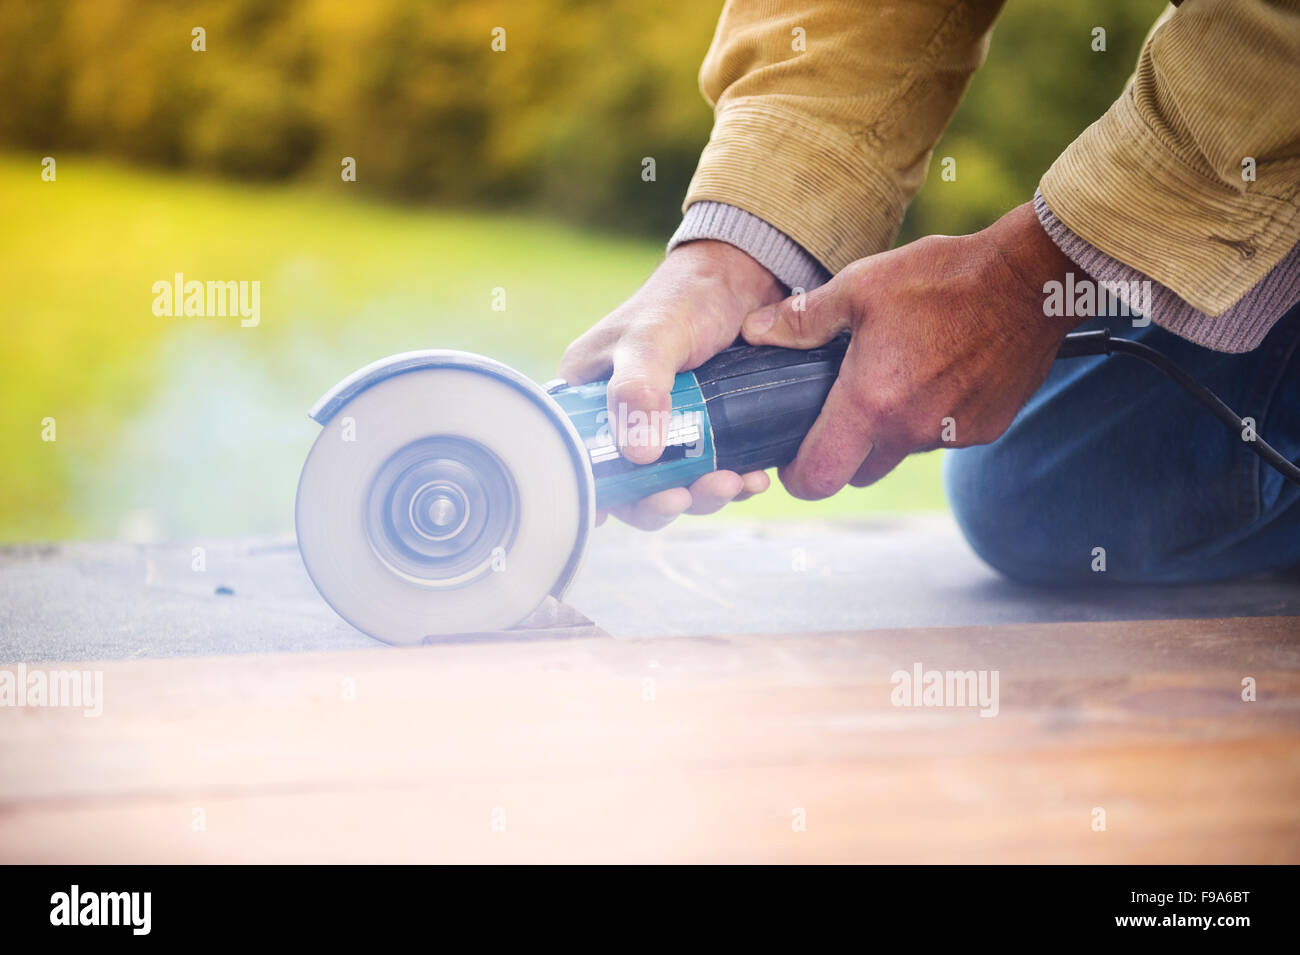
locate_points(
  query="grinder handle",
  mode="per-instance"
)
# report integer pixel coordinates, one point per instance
(762, 400)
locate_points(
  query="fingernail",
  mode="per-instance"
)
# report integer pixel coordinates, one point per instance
(756, 323)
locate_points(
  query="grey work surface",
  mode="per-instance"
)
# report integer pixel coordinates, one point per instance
(83, 601)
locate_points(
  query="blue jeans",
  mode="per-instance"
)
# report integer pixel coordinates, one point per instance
(1111, 454)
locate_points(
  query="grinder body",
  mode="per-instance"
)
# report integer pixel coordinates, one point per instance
(746, 409)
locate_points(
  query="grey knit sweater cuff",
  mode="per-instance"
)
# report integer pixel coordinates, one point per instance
(1240, 328)
(766, 244)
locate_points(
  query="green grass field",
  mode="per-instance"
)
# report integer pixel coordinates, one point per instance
(184, 427)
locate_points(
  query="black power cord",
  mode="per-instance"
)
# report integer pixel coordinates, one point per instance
(1082, 344)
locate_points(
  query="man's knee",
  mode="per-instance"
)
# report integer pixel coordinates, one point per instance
(1005, 510)
(1046, 518)
(1043, 516)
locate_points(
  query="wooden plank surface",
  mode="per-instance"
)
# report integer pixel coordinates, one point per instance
(691, 749)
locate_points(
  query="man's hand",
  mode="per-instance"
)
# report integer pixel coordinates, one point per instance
(686, 312)
(949, 341)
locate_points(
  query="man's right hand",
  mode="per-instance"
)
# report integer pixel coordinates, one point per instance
(686, 312)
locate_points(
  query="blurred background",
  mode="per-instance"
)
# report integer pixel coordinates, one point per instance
(476, 170)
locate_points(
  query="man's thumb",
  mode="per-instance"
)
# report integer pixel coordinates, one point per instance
(800, 321)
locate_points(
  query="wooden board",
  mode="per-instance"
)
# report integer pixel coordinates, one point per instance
(690, 749)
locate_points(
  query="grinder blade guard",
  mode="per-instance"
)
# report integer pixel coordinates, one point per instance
(446, 493)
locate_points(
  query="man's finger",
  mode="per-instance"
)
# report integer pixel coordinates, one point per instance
(656, 511)
(755, 482)
(802, 321)
(714, 491)
(639, 396)
(879, 462)
(835, 446)
(590, 356)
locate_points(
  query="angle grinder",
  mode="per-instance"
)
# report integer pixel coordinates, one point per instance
(448, 493)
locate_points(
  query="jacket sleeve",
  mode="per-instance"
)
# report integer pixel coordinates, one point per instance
(826, 112)
(1193, 175)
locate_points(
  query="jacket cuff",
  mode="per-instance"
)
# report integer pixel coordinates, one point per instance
(1240, 328)
(810, 181)
(769, 246)
(1123, 190)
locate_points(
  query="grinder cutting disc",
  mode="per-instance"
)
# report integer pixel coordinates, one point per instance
(445, 494)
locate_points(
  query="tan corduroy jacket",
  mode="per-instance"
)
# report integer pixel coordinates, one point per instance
(829, 144)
